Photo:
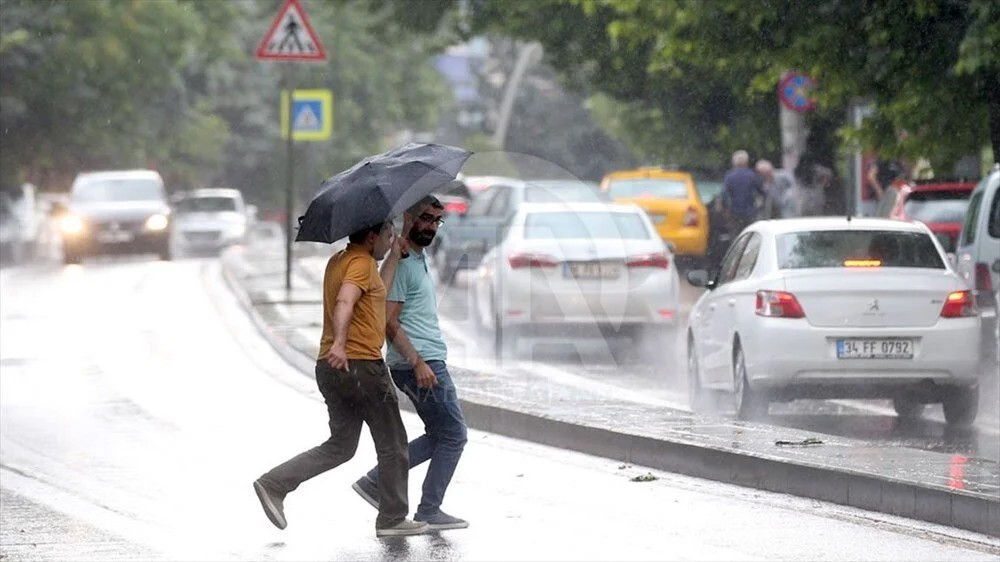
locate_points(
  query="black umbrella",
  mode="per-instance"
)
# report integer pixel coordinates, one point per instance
(378, 188)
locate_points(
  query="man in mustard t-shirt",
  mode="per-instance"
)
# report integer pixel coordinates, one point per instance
(355, 384)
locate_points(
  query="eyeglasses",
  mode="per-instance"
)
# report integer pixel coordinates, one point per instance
(427, 217)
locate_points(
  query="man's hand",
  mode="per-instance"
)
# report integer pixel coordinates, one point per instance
(400, 247)
(425, 376)
(401, 244)
(337, 358)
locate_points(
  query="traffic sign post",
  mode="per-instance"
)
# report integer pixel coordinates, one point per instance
(291, 38)
(311, 115)
(794, 101)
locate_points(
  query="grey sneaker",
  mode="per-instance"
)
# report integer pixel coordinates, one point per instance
(441, 521)
(403, 528)
(272, 503)
(367, 489)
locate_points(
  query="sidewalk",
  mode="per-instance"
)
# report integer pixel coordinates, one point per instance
(936, 487)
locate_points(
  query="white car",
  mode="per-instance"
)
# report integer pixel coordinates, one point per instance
(599, 267)
(209, 220)
(978, 256)
(836, 308)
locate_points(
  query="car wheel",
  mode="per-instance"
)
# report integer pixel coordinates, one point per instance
(961, 406)
(70, 258)
(907, 408)
(509, 342)
(165, 253)
(697, 395)
(750, 404)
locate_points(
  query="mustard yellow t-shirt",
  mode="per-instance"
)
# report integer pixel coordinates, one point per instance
(366, 332)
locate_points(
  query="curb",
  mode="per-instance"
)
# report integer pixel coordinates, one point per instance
(973, 513)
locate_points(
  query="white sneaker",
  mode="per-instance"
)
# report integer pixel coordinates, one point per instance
(403, 528)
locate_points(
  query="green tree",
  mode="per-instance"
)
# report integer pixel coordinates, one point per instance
(103, 84)
(697, 78)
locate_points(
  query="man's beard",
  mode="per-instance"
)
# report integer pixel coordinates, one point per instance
(422, 238)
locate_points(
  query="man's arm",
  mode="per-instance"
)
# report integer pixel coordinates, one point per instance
(343, 309)
(400, 250)
(393, 329)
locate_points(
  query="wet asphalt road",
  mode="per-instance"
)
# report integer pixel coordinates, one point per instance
(659, 372)
(138, 403)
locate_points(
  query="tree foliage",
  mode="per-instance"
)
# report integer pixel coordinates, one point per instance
(693, 79)
(173, 84)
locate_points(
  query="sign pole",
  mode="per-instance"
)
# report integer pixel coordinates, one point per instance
(290, 191)
(291, 38)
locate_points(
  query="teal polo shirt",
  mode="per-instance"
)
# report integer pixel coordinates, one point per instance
(414, 287)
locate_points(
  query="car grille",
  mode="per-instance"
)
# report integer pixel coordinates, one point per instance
(202, 236)
(112, 226)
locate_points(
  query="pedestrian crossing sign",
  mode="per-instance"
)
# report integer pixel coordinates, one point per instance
(291, 37)
(311, 115)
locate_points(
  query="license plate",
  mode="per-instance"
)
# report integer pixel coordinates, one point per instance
(593, 270)
(114, 236)
(875, 348)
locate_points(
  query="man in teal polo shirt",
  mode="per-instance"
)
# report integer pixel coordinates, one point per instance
(416, 358)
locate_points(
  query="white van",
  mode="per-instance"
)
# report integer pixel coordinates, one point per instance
(978, 252)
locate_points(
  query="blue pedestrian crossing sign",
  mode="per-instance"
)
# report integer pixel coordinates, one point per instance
(311, 115)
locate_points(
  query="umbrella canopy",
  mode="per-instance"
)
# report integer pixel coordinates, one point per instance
(378, 188)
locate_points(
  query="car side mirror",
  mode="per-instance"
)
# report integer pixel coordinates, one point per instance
(996, 266)
(700, 278)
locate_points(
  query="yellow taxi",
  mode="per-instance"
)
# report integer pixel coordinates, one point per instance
(671, 201)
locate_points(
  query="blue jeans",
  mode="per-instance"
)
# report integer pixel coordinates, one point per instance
(445, 433)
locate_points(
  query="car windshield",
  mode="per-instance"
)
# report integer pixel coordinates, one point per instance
(707, 190)
(118, 190)
(937, 206)
(835, 248)
(655, 188)
(561, 192)
(206, 204)
(591, 225)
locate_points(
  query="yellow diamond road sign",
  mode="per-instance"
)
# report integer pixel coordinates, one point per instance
(312, 115)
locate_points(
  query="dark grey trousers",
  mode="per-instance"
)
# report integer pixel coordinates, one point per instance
(363, 394)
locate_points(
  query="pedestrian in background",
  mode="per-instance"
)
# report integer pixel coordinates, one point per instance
(740, 189)
(775, 184)
(354, 382)
(417, 359)
(807, 197)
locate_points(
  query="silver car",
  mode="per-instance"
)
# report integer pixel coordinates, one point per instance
(596, 268)
(209, 220)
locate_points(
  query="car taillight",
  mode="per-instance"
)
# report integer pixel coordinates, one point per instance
(959, 304)
(519, 261)
(648, 260)
(456, 207)
(778, 304)
(983, 281)
(691, 217)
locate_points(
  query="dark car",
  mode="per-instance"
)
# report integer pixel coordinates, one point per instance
(456, 198)
(116, 212)
(940, 205)
(465, 240)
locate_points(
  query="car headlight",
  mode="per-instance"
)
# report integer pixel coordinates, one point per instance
(71, 224)
(157, 222)
(237, 230)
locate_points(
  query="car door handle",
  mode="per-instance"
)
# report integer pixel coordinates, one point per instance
(711, 306)
(731, 302)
